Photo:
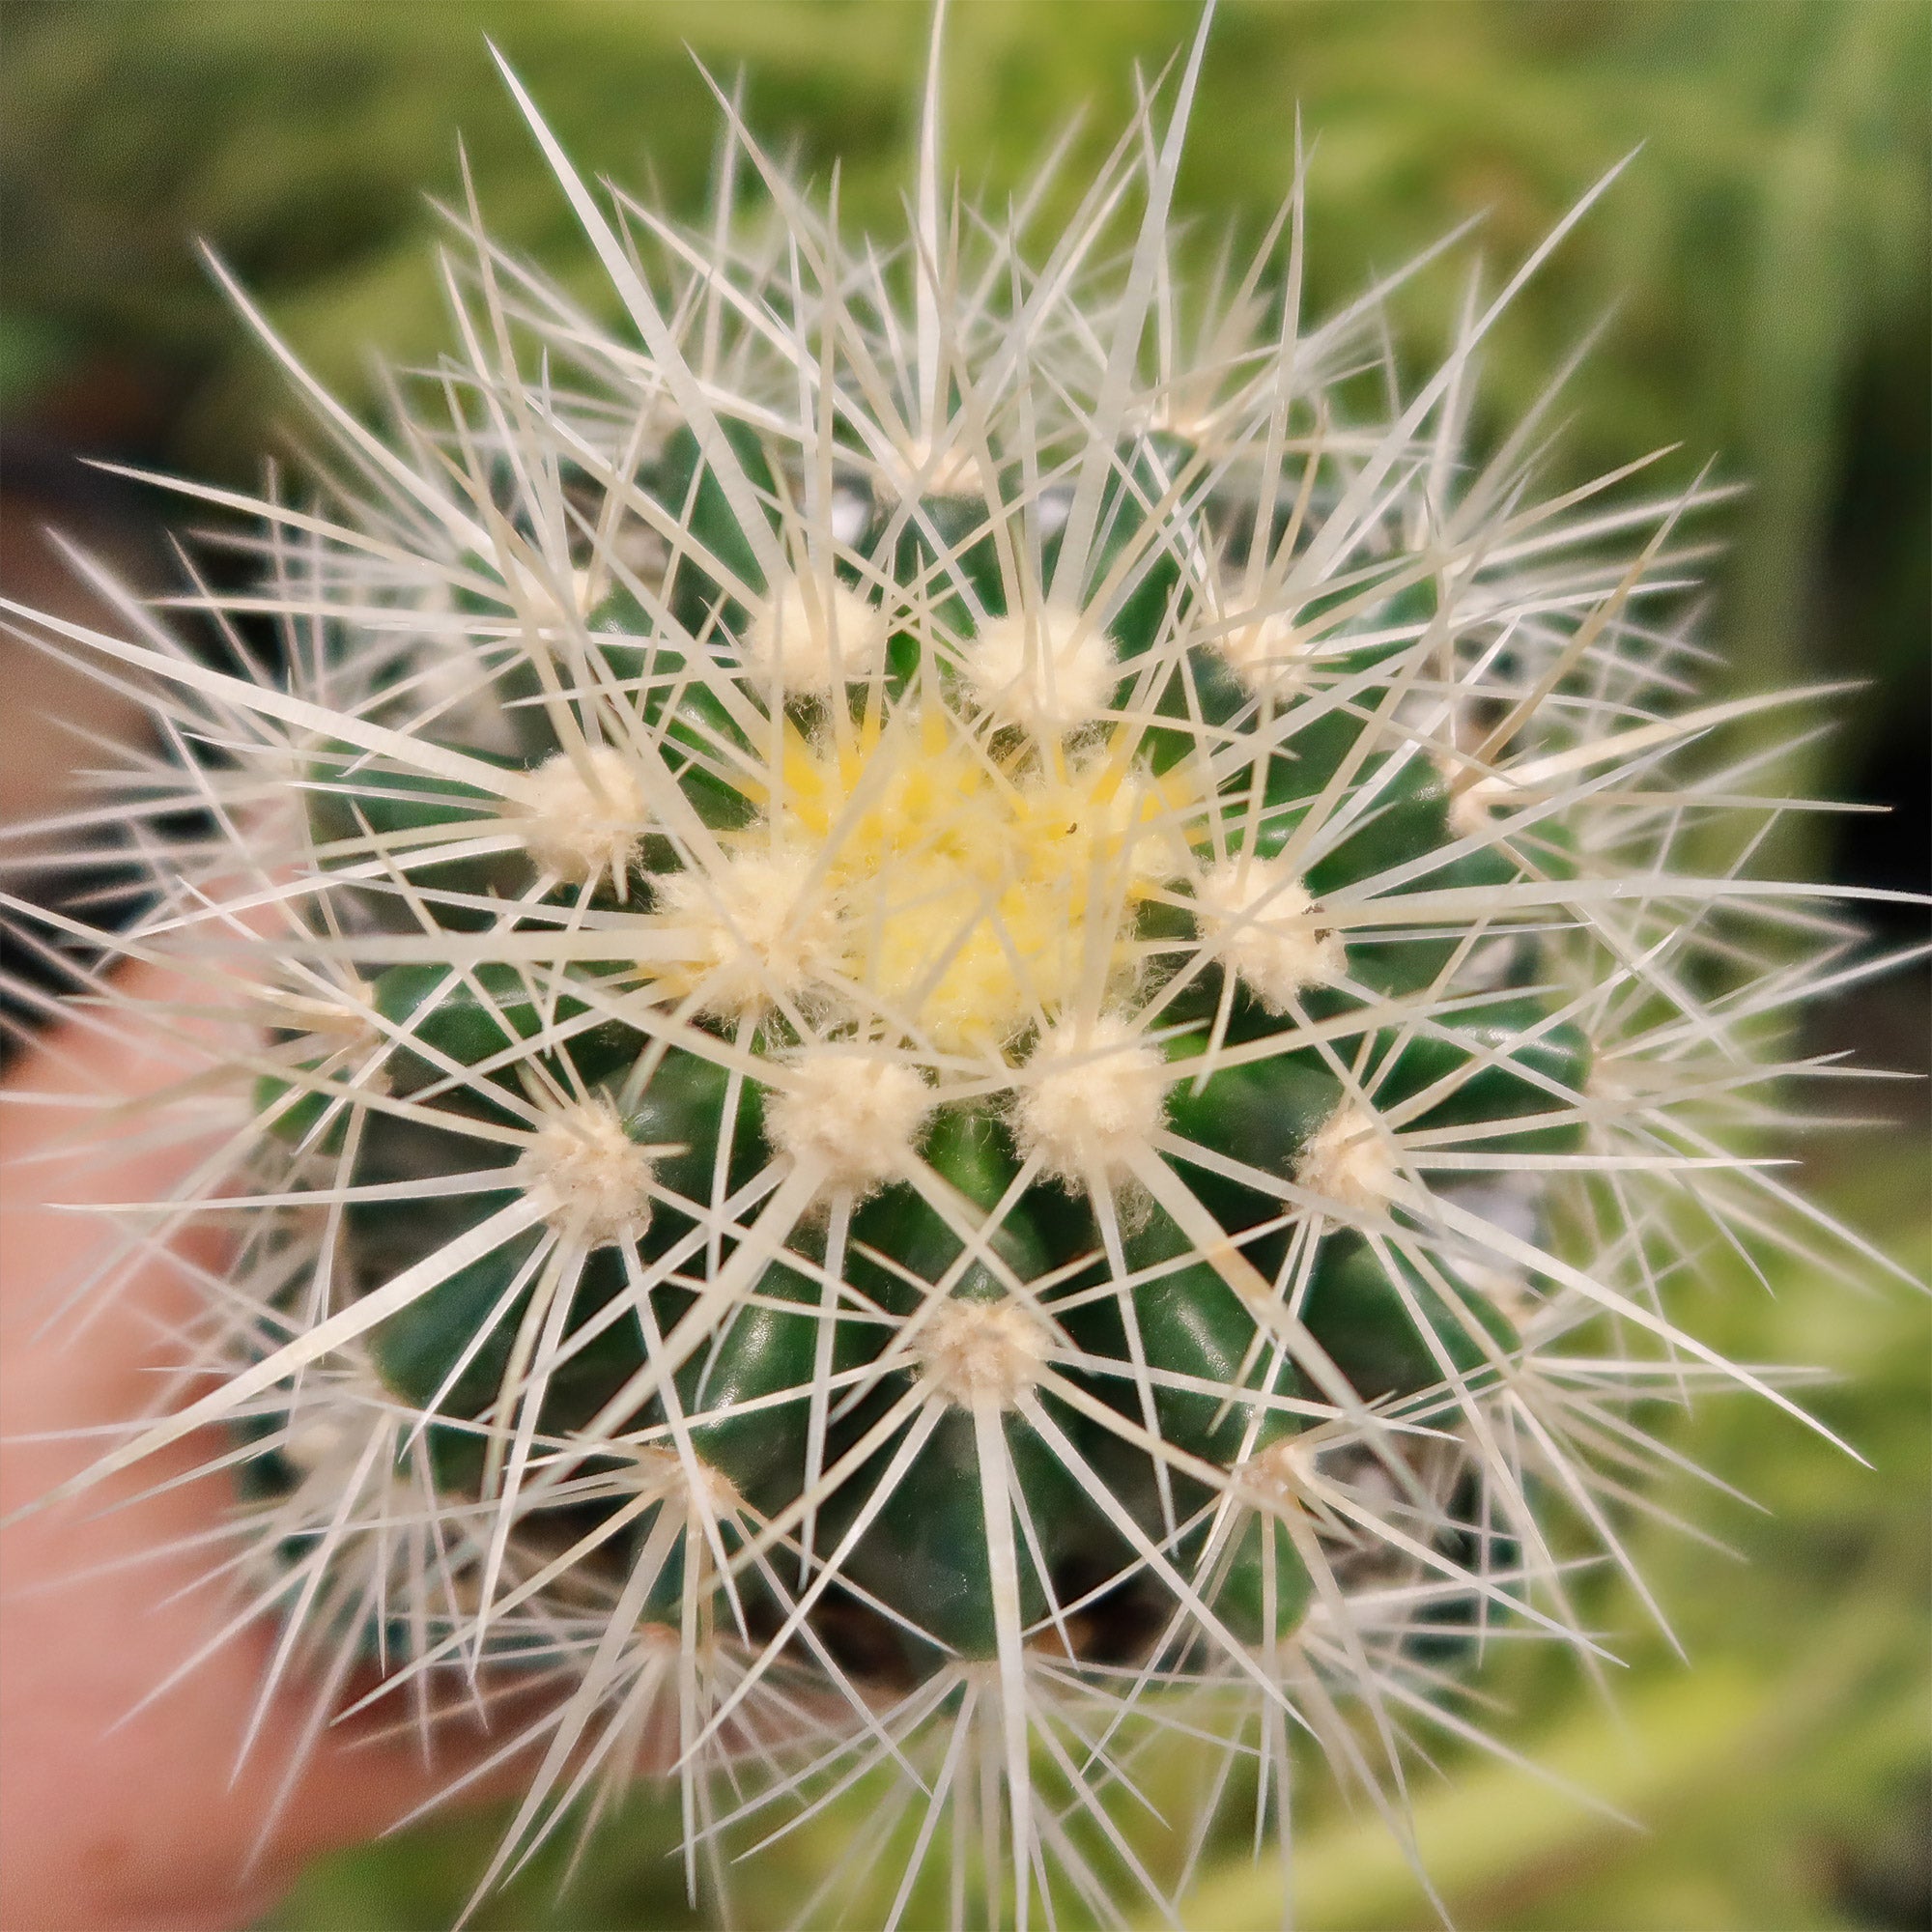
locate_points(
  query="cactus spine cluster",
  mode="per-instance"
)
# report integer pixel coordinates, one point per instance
(967, 1023)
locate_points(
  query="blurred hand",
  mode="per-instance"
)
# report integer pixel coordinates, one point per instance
(137, 1826)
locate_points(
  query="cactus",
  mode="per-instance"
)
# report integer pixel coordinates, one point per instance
(969, 1026)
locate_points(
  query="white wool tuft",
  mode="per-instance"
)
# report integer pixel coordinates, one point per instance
(586, 815)
(753, 929)
(1049, 670)
(1266, 927)
(853, 1116)
(1349, 1159)
(973, 1351)
(1093, 1095)
(592, 1178)
(1266, 653)
(814, 636)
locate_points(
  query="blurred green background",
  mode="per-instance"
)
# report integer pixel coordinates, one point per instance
(1770, 260)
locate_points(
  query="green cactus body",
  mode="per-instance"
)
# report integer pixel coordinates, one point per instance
(1210, 1355)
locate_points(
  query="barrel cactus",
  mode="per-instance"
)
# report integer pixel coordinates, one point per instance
(971, 1023)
